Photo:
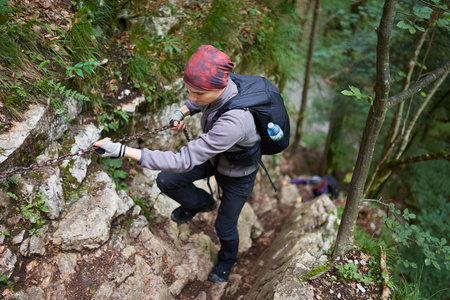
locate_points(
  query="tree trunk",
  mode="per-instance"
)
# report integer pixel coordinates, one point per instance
(301, 114)
(374, 123)
(394, 131)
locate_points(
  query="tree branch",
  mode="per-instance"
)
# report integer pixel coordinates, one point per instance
(432, 76)
(397, 164)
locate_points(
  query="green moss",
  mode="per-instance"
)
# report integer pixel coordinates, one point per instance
(318, 270)
(69, 183)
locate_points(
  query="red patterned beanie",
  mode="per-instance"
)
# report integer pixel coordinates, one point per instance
(208, 69)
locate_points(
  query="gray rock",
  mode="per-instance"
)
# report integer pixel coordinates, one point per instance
(37, 245)
(18, 238)
(67, 262)
(7, 261)
(54, 195)
(83, 140)
(88, 223)
(32, 293)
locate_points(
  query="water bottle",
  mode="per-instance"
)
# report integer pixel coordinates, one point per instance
(274, 131)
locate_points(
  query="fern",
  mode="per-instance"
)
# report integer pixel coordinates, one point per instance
(63, 90)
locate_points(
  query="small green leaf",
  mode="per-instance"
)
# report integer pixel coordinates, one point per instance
(419, 28)
(427, 262)
(79, 72)
(423, 12)
(435, 264)
(121, 174)
(44, 208)
(116, 163)
(412, 30)
(403, 25)
(87, 69)
(347, 93)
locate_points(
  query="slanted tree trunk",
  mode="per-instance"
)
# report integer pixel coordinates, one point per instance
(302, 111)
(375, 120)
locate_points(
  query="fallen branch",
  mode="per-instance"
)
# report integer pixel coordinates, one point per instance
(385, 294)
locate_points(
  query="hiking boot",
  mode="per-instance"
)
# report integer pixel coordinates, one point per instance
(220, 272)
(181, 215)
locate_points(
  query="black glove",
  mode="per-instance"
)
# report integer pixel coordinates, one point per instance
(177, 116)
(113, 150)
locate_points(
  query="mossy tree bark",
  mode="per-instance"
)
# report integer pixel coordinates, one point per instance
(374, 122)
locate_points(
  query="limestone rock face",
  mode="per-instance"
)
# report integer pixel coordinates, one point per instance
(310, 229)
(88, 223)
(7, 261)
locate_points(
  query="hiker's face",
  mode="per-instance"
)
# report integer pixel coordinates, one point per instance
(202, 97)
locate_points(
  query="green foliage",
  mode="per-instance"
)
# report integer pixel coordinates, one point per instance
(82, 39)
(422, 13)
(31, 212)
(113, 122)
(10, 181)
(355, 92)
(219, 27)
(4, 280)
(16, 99)
(171, 45)
(4, 10)
(431, 246)
(12, 195)
(58, 87)
(349, 272)
(145, 208)
(142, 64)
(103, 14)
(9, 52)
(86, 66)
(113, 166)
(274, 46)
(56, 91)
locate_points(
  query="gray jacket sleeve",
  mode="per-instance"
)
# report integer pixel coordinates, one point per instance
(193, 107)
(232, 127)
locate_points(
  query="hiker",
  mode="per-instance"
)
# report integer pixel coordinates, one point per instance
(211, 84)
(326, 185)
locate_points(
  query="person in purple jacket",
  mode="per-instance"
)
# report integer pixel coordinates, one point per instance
(326, 185)
(207, 77)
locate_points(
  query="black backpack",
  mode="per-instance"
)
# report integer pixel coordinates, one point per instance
(333, 186)
(259, 96)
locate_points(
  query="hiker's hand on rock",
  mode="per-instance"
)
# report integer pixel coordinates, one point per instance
(109, 149)
(176, 121)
